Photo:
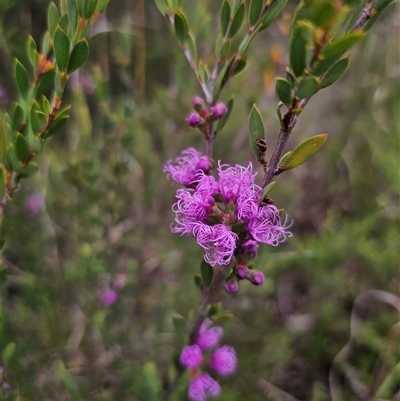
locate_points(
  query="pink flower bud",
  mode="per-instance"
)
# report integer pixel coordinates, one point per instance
(218, 110)
(193, 120)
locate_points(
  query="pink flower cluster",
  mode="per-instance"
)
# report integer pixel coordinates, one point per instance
(216, 211)
(223, 361)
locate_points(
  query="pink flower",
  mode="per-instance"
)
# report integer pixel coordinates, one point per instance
(209, 338)
(224, 360)
(108, 297)
(191, 356)
(202, 387)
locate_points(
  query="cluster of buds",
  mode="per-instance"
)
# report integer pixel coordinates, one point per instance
(206, 352)
(204, 115)
(223, 214)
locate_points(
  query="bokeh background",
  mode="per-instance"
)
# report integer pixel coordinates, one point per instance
(96, 219)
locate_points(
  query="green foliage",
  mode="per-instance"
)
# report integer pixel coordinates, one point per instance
(303, 152)
(273, 13)
(283, 91)
(78, 56)
(21, 78)
(237, 20)
(256, 131)
(255, 11)
(61, 49)
(335, 72)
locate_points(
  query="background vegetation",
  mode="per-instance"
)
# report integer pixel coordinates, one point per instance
(97, 217)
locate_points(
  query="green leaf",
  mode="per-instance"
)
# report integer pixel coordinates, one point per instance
(198, 281)
(255, 11)
(273, 13)
(63, 112)
(38, 121)
(61, 49)
(162, 7)
(237, 20)
(256, 130)
(298, 52)
(181, 31)
(341, 45)
(284, 158)
(222, 51)
(46, 106)
(102, 5)
(214, 309)
(63, 23)
(18, 117)
(381, 4)
(266, 190)
(246, 43)
(225, 17)
(324, 65)
(57, 126)
(222, 317)
(52, 19)
(283, 91)
(86, 8)
(307, 87)
(222, 121)
(21, 77)
(180, 323)
(21, 147)
(304, 151)
(206, 273)
(30, 170)
(8, 353)
(335, 72)
(240, 66)
(32, 52)
(45, 82)
(72, 15)
(46, 43)
(78, 55)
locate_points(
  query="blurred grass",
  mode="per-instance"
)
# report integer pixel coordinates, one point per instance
(106, 215)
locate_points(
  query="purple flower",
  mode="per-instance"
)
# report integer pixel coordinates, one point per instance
(108, 297)
(218, 110)
(242, 272)
(224, 360)
(231, 286)
(197, 103)
(194, 120)
(257, 277)
(202, 387)
(191, 356)
(185, 168)
(34, 204)
(249, 249)
(209, 338)
(218, 241)
(233, 181)
(267, 226)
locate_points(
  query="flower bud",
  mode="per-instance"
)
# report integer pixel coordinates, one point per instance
(242, 272)
(249, 249)
(224, 360)
(194, 120)
(205, 165)
(231, 286)
(197, 103)
(108, 297)
(218, 110)
(257, 277)
(191, 356)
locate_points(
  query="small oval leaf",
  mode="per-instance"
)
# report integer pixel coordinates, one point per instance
(207, 273)
(30, 170)
(256, 131)
(225, 17)
(341, 45)
(52, 18)
(57, 126)
(335, 72)
(78, 56)
(255, 11)
(283, 91)
(304, 151)
(308, 86)
(237, 20)
(21, 77)
(61, 49)
(181, 31)
(273, 13)
(298, 52)
(21, 147)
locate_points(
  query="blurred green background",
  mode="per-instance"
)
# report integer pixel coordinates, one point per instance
(96, 218)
